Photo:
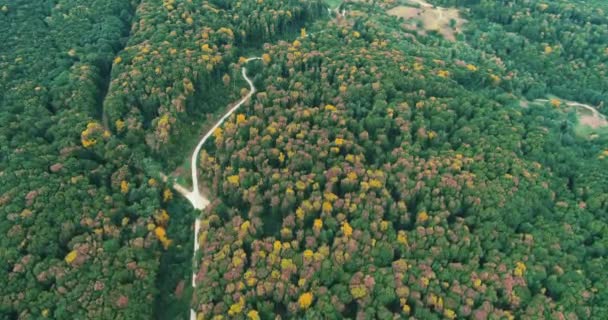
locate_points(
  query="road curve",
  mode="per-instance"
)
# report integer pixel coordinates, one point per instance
(197, 200)
(577, 104)
(217, 124)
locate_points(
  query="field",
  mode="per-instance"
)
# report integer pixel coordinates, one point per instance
(424, 17)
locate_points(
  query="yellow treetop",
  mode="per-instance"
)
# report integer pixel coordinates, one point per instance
(253, 315)
(425, 281)
(237, 307)
(87, 143)
(347, 229)
(240, 118)
(245, 225)
(330, 196)
(477, 283)
(217, 133)
(318, 224)
(327, 207)
(300, 185)
(92, 127)
(160, 232)
(358, 291)
(226, 31)
(71, 256)
(276, 246)
(286, 264)
(305, 300)
(520, 268)
(205, 47)
(402, 237)
(330, 107)
(449, 313)
(167, 195)
(423, 216)
(120, 125)
(266, 58)
(375, 183)
(383, 225)
(162, 217)
(352, 176)
(124, 186)
(308, 254)
(234, 180)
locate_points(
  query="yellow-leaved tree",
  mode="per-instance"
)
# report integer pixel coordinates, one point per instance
(305, 300)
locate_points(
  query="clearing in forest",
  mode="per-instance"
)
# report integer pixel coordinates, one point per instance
(422, 17)
(591, 123)
(591, 119)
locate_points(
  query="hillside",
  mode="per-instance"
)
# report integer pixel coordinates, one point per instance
(398, 159)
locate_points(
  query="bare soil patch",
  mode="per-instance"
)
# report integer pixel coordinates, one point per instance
(593, 121)
(588, 115)
(446, 21)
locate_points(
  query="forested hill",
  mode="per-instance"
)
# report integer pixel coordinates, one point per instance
(399, 160)
(89, 92)
(554, 46)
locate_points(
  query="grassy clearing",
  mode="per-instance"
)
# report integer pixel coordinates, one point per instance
(590, 123)
(424, 17)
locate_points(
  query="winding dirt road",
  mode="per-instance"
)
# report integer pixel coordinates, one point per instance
(195, 197)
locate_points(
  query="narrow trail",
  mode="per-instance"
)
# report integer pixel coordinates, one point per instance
(195, 197)
(577, 104)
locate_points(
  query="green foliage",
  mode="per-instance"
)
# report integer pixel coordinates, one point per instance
(377, 172)
(423, 169)
(83, 108)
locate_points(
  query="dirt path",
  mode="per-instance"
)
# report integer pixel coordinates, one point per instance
(595, 120)
(195, 197)
(423, 4)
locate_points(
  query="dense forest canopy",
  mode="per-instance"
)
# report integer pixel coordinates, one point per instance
(400, 159)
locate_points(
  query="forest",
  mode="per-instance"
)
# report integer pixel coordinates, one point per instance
(400, 159)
